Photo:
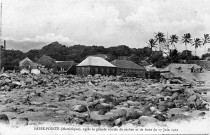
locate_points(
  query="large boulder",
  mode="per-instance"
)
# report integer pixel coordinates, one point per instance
(4, 119)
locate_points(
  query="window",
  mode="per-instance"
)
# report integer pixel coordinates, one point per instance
(96, 70)
(102, 70)
(107, 70)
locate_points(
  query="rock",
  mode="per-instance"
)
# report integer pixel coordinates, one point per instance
(192, 98)
(90, 83)
(16, 83)
(175, 111)
(61, 112)
(171, 104)
(144, 120)
(118, 122)
(8, 101)
(185, 108)
(146, 110)
(9, 109)
(7, 88)
(89, 99)
(175, 95)
(37, 103)
(102, 111)
(2, 82)
(4, 75)
(198, 102)
(201, 114)
(94, 115)
(21, 121)
(28, 80)
(133, 103)
(4, 119)
(8, 80)
(162, 107)
(79, 108)
(160, 117)
(132, 114)
(117, 113)
(136, 122)
(52, 106)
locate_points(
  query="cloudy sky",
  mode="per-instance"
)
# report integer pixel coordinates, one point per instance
(101, 22)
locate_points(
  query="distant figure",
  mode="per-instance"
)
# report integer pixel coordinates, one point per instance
(201, 69)
(179, 69)
(192, 70)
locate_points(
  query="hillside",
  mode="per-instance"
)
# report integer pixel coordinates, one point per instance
(78, 53)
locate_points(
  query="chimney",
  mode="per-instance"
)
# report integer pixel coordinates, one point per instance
(5, 44)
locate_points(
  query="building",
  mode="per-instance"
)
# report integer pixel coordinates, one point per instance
(95, 65)
(128, 67)
(185, 71)
(203, 63)
(182, 68)
(26, 63)
(46, 61)
(65, 67)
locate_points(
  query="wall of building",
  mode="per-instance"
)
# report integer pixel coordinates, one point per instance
(138, 72)
(92, 70)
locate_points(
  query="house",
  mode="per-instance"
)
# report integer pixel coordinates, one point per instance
(182, 68)
(95, 65)
(26, 63)
(65, 67)
(203, 63)
(23, 62)
(129, 67)
(185, 71)
(46, 61)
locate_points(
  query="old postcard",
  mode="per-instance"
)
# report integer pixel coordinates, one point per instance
(125, 67)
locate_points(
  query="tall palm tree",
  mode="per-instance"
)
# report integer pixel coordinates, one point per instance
(173, 39)
(152, 44)
(160, 38)
(206, 40)
(196, 43)
(186, 39)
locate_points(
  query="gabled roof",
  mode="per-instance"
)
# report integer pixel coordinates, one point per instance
(95, 61)
(126, 64)
(24, 61)
(46, 60)
(27, 62)
(65, 64)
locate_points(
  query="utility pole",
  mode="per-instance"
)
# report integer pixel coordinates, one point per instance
(1, 37)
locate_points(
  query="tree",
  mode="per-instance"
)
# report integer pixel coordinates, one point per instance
(197, 43)
(186, 39)
(206, 40)
(152, 44)
(173, 39)
(160, 38)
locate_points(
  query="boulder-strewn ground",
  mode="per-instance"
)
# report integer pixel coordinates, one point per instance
(98, 100)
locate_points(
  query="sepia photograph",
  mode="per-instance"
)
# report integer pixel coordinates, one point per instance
(108, 67)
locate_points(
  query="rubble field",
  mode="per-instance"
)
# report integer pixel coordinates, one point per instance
(97, 100)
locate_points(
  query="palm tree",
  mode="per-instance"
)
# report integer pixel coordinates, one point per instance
(206, 40)
(160, 38)
(173, 39)
(186, 39)
(152, 44)
(196, 43)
